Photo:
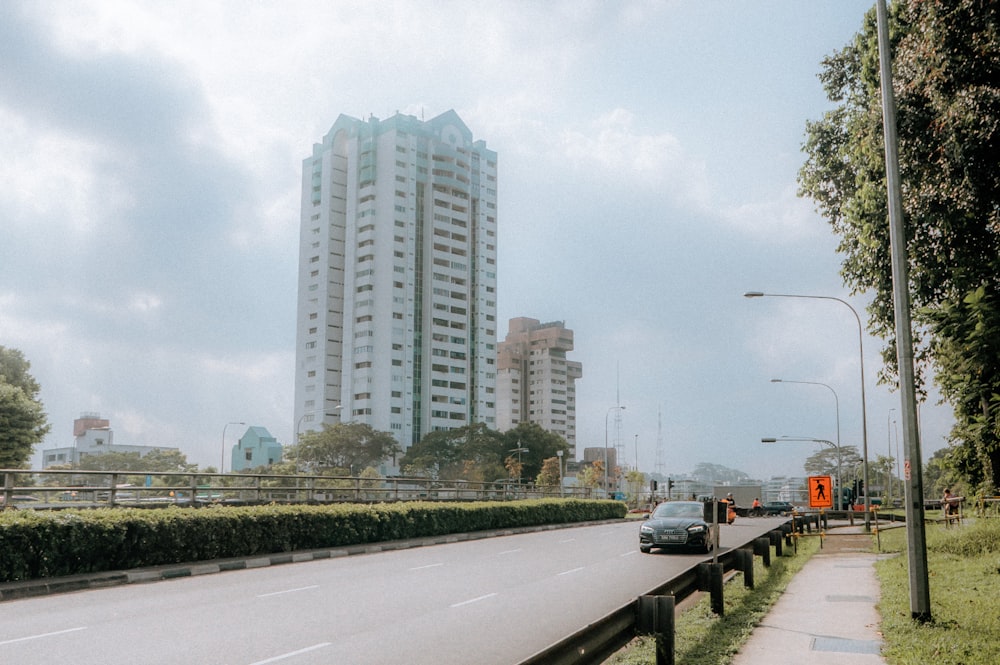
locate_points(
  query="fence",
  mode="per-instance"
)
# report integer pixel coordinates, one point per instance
(54, 489)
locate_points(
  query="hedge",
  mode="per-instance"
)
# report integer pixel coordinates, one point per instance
(41, 544)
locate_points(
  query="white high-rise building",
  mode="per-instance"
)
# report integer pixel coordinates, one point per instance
(397, 278)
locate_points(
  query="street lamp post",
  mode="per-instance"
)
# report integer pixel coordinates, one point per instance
(606, 444)
(222, 461)
(812, 440)
(559, 454)
(298, 423)
(888, 436)
(518, 450)
(864, 412)
(836, 400)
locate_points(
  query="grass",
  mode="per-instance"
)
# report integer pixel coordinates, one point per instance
(963, 566)
(702, 638)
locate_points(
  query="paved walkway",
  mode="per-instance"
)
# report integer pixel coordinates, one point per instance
(827, 615)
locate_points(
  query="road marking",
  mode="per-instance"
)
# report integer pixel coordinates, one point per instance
(567, 540)
(278, 593)
(510, 551)
(291, 654)
(629, 553)
(40, 636)
(473, 600)
(569, 572)
(430, 565)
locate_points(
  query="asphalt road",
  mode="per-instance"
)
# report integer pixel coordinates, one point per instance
(496, 600)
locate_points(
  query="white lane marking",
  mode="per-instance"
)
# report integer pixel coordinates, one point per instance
(629, 553)
(41, 635)
(278, 593)
(291, 654)
(567, 540)
(473, 600)
(510, 551)
(430, 565)
(570, 572)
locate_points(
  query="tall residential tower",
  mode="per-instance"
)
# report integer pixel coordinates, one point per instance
(397, 278)
(535, 381)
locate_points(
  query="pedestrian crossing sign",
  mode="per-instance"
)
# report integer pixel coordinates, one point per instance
(820, 492)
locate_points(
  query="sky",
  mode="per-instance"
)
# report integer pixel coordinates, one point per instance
(150, 166)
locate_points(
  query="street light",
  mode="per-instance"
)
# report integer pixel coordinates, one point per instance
(222, 461)
(298, 423)
(836, 400)
(518, 450)
(864, 413)
(812, 440)
(559, 454)
(606, 444)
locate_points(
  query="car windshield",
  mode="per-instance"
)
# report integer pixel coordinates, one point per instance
(678, 509)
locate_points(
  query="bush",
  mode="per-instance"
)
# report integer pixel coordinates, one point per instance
(37, 544)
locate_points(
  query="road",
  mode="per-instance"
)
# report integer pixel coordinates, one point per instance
(496, 600)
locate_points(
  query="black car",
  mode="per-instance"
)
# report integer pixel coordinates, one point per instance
(675, 525)
(777, 508)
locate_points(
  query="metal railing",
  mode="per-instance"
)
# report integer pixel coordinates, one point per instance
(593, 644)
(54, 489)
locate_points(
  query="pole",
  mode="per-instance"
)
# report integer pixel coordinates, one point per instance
(836, 402)
(222, 461)
(920, 600)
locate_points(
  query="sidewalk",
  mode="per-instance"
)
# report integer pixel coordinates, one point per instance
(827, 615)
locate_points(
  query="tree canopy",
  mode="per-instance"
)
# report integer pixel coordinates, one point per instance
(479, 454)
(946, 65)
(23, 422)
(349, 447)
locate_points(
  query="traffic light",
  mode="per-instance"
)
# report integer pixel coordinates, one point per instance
(653, 485)
(670, 486)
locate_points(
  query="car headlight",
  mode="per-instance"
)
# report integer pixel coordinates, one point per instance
(645, 528)
(697, 528)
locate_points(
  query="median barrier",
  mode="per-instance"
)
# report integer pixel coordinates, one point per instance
(595, 643)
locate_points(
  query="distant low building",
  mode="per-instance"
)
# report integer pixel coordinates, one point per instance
(256, 448)
(92, 435)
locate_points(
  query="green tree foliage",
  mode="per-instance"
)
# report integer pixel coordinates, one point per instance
(946, 59)
(473, 453)
(155, 460)
(344, 447)
(477, 453)
(824, 463)
(23, 422)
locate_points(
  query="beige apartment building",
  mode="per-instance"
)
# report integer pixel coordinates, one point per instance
(535, 381)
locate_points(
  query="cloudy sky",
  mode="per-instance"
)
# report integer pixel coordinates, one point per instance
(150, 160)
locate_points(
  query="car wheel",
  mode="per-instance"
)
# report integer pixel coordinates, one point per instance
(645, 549)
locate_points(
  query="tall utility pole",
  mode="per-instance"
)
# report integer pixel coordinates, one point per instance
(658, 468)
(916, 541)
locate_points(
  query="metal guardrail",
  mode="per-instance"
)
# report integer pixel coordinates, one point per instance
(596, 642)
(55, 489)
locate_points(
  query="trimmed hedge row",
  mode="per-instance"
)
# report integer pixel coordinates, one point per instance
(39, 544)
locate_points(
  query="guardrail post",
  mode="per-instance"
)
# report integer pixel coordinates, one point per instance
(762, 548)
(656, 617)
(710, 579)
(745, 562)
(775, 537)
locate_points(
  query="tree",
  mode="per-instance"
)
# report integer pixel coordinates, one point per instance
(346, 447)
(591, 475)
(539, 444)
(23, 422)
(473, 452)
(551, 472)
(946, 59)
(823, 462)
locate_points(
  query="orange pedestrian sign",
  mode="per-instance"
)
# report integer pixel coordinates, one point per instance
(820, 492)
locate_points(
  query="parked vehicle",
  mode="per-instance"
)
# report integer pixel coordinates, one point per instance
(676, 525)
(778, 508)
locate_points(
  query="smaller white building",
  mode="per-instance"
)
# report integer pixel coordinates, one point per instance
(92, 435)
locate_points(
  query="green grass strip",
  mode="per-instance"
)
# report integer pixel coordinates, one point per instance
(963, 564)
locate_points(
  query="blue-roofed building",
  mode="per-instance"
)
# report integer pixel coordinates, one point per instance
(256, 448)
